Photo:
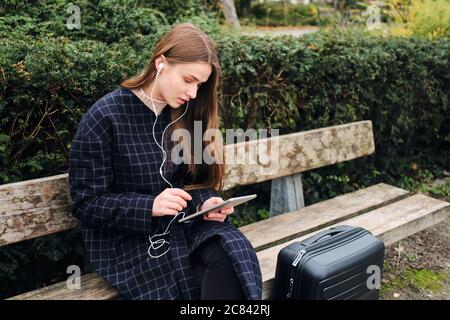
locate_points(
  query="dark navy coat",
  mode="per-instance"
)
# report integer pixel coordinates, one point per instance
(114, 179)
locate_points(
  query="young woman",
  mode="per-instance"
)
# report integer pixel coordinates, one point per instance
(128, 193)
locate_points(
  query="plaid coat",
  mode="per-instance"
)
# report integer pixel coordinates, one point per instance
(114, 179)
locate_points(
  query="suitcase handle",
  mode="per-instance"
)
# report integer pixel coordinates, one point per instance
(325, 234)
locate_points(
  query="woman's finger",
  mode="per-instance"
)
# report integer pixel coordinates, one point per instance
(227, 211)
(174, 206)
(171, 212)
(216, 217)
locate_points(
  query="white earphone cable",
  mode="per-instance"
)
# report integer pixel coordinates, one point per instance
(156, 244)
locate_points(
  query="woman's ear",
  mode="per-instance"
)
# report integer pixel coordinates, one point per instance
(158, 61)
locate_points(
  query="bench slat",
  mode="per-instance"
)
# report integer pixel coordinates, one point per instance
(390, 224)
(93, 287)
(34, 208)
(281, 228)
(298, 152)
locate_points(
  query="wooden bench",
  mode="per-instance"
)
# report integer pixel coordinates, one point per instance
(39, 207)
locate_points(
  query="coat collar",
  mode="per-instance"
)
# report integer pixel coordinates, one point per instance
(159, 105)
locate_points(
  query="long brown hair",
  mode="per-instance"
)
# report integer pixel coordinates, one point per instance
(185, 43)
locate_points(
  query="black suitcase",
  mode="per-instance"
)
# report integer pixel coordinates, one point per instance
(332, 265)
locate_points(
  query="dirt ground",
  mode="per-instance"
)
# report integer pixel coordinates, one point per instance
(418, 267)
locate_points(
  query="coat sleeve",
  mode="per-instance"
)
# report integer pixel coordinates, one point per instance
(91, 177)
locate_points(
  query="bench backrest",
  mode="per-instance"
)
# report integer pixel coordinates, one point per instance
(38, 207)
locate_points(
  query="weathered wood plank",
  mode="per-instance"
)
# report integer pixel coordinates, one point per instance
(266, 233)
(296, 152)
(39, 207)
(34, 208)
(390, 224)
(92, 287)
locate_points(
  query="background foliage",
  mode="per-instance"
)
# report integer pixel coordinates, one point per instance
(50, 76)
(427, 18)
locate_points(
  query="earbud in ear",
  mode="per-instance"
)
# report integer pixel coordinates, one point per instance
(161, 65)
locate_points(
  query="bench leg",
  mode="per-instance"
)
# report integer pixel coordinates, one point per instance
(286, 194)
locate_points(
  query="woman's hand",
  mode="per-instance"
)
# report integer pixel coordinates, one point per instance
(216, 215)
(170, 202)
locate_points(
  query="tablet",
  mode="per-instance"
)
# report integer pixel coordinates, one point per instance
(232, 202)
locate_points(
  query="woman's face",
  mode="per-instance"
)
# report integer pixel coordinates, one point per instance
(179, 82)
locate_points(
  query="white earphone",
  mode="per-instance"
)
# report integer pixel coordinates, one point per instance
(160, 242)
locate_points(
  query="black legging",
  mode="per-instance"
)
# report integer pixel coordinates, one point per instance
(215, 273)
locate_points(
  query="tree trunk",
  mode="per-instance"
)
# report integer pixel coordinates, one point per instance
(230, 13)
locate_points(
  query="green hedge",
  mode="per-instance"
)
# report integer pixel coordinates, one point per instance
(103, 20)
(47, 83)
(401, 84)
